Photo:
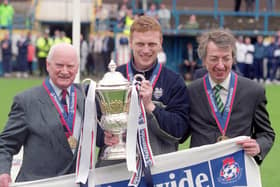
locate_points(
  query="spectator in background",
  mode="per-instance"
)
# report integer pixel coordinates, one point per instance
(102, 15)
(57, 37)
(97, 55)
(164, 16)
(189, 62)
(30, 57)
(259, 55)
(272, 57)
(157, 3)
(270, 4)
(152, 12)
(125, 3)
(83, 54)
(237, 5)
(65, 38)
(249, 58)
(108, 47)
(240, 54)
(6, 49)
(121, 15)
(127, 21)
(43, 45)
(90, 59)
(250, 4)
(22, 64)
(192, 23)
(6, 14)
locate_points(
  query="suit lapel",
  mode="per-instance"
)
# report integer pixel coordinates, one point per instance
(80, 102)
(50, 114)
(204, 99)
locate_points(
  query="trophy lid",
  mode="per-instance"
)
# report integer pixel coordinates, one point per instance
(113, 78)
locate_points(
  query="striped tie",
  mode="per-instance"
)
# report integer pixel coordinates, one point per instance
(218, 98)
(63, 100)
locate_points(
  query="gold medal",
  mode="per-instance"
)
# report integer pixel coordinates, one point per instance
(221, 138)
(72, 142)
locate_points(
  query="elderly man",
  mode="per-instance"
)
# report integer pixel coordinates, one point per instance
(46, 121)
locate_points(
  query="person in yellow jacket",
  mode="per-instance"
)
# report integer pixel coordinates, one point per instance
(129, 18)
(43, 46)
(60, 37)
(64, 38)
(6, 14)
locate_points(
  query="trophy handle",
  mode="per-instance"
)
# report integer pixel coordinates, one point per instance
(139, 78)
(85, 85)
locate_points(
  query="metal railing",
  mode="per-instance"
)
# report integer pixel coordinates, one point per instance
(219, 16)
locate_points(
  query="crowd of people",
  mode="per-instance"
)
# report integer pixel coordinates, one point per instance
(20, 52)
(123, 15)
(260, 60)
(27, 56)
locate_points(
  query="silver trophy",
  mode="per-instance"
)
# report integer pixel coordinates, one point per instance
(113, 94)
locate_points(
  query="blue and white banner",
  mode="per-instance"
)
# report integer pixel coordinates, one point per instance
(223, 164)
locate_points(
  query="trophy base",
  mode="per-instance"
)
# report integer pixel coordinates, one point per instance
(115, 152)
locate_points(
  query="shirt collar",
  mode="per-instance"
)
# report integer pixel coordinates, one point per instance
(147, 72)
(57, 90)
(224, 84)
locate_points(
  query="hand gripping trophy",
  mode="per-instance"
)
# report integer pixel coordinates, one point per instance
(113, 95)
(119, 105)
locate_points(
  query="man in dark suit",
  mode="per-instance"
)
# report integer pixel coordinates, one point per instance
(107, 49)
(45, 122)
(189, 64)
(224, 105)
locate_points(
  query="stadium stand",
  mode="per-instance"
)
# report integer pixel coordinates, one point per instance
(209, 14)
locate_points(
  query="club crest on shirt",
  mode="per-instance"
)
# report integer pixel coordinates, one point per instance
(158, 93)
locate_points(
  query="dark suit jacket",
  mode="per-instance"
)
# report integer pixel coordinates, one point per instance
(110, 44)
(35, 124)
(249, 116)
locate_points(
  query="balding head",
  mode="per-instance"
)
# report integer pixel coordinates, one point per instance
(62, 64)
(61, 48)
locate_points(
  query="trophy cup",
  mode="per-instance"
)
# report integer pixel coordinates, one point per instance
(113, 96)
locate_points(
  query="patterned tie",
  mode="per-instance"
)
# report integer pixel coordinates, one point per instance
(63, 100)
(218, 98)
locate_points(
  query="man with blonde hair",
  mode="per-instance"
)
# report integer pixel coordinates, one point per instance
(164, 92)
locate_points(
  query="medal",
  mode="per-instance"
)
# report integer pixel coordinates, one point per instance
(222, 120)
(221, 138)
(72, 142)
(67, 120)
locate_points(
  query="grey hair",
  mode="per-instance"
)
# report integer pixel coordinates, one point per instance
(220, 37)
